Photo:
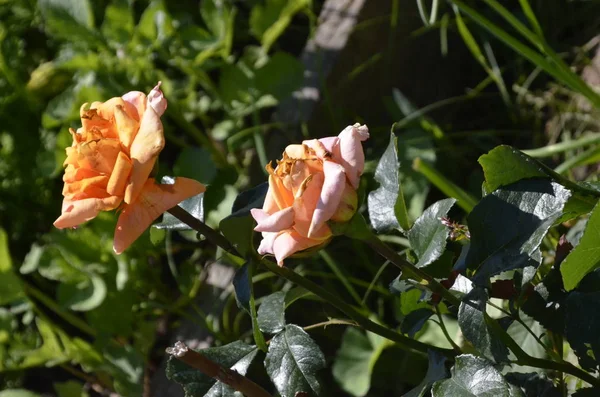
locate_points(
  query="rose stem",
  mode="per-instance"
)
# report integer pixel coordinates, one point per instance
(208, 367)
(364, 322)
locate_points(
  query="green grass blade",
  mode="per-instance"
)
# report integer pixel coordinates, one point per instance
(528, 11)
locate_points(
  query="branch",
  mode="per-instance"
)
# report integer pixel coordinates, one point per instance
(208, 367)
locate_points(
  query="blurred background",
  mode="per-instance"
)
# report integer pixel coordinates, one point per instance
(243, 79)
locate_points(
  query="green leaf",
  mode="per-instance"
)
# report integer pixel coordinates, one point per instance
(18, 393)
(582, 328)
(428, 235)
(12, 288)
(195, 163)
(471, 319)
(280, 76)
(508, 225)
(476, 377)
(32, 259)
(387, 209)
(505, 165)
(268, 22)
(238, 227)
(271, 313)
(83, 295)
(71, 20)
(193, 205)
(118, 24)
(355, 360)
(293, 361)
(155, 24)
(49, 353)
(79, 10)
(435, 372)
(585, 257)
(70, 388)
(523, 337)
(415, 320)
(237, 355)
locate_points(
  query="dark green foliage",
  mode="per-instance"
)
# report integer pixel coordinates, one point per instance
(293, 361)
(237, 356)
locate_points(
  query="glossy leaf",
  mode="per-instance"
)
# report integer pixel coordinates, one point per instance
(237, 356)
(508, 225)
(474, 376)
(271, 313)
(428, 235)
(355, 360)
(585, 257)
(238, 227)
(293, 361)
(280, 76)
(435, 371)
(193, 205)
(471, 319)
(387, 209)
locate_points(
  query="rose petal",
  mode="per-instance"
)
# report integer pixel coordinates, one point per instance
(323, 147)
(145, 148)
(77, 212)
(266, 244)
(349, 152)
(276, 222)
(138, 100)
(153, 200)
(289, 243)
(119, 176)
(157, 100)
(330, 196)
(127, 127)
(305, 203)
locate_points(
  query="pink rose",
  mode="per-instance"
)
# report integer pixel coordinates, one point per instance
(313, 183)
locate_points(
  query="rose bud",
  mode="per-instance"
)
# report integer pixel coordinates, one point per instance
(109, 165)
(313, 183)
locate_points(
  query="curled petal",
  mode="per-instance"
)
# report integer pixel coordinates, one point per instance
(120, 175)
(77, 212)
(286, 244)
(146, 146)
(306, 202)
(127, 126)
(350, 152)
(157, 100)
(153, 200)
(276, 222)
(330, 196)
(266, 244)
(138, 100)
(322, 146)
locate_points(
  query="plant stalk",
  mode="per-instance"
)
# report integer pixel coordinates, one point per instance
(214, 370)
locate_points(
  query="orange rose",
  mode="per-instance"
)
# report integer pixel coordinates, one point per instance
(315, 182)
(109, 165)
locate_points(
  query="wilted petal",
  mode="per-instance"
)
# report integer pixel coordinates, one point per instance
(153, 200)
(350, 151)
(146, 146)
(276, 222)
(77, 212)
(330, 196)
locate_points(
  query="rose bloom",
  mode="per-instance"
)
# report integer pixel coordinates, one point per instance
(109, 165)
(313, 183)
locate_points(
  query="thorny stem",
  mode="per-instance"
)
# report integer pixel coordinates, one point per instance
(208, 367)
(522, 357)
(333, 321)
